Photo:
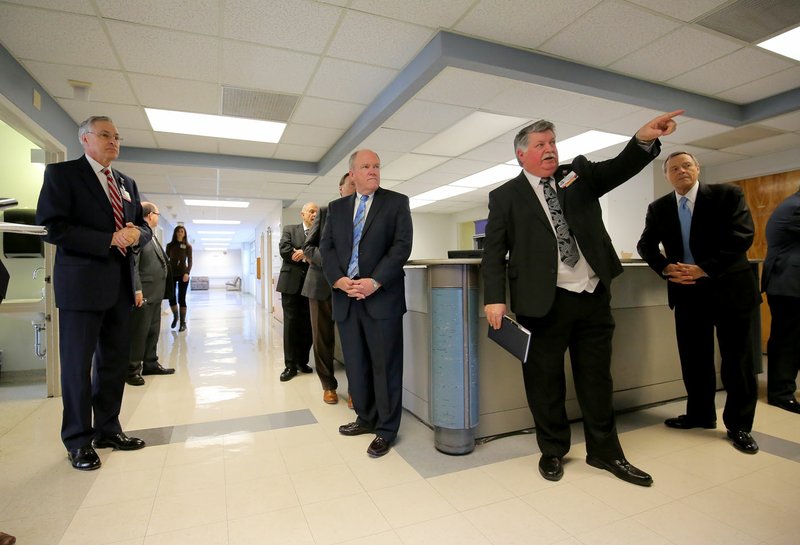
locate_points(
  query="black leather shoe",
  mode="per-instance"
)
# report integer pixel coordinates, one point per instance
(157, 369)
(288, 374)
(134, 380)
(378, 447)
(683, 422)
(622, 469)
(182, 328)
(551, 468)
(84, 458)
(743, 441)
(119, 441)
(305, 368)
(790, 405)
(354, 428)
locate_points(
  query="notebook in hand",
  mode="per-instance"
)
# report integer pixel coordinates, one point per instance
(513, 337)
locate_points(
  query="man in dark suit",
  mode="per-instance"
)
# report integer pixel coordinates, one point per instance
(365, 244)
(296, 318)
(93, 215)
(560, 265)
(318, 291)
(150, 282)
(781, 282)
(705, 231)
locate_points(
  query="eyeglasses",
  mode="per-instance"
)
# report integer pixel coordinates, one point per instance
(107, 136)
(156, 213)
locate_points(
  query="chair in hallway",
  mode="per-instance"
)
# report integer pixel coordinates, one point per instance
(234, 285)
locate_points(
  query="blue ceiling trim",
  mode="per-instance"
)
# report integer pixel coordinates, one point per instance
(214, 160)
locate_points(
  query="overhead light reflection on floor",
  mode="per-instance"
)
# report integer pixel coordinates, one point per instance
(214, 394)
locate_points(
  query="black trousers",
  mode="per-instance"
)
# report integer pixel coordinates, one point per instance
(581, 323)
(783, 347)
(296, 330)
(696, 318)
(182, 287)
(323, 341)
(145, 330)
(373, 350)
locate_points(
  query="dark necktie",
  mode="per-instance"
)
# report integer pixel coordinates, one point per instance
(685, 216)
(358, 226)
(567, 247)
(116, 205)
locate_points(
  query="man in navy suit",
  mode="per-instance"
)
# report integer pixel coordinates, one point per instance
(93, 215)
(781, 282)
(705, 231)
(365, 244)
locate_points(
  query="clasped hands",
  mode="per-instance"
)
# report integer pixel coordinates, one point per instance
(127, 236)
(683, 273)
(357, 289)
(298, 255)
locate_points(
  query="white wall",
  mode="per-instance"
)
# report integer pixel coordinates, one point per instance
(218, 266)
(434, 234)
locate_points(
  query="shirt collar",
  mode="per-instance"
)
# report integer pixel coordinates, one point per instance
(691, 195)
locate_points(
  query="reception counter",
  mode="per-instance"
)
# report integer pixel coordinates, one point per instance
(455, 377)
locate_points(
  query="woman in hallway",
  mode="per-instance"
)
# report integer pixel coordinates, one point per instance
(179, 253)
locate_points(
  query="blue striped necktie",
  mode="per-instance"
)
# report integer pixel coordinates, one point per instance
(685, 216)
(358, 226)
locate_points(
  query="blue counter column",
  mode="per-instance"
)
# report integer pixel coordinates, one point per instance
(454, 356)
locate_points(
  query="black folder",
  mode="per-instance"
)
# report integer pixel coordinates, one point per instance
(513, 337)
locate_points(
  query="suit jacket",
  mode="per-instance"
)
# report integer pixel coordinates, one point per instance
(518, 225)
(781, 274)
(80, 222)
(151, 271)
(316, 285)
(383, 251)
(293, 273)
(721, 232)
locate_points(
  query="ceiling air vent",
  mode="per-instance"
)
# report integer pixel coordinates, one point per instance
(754, 20)
(257, 104)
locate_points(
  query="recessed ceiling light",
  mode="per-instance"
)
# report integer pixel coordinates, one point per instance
(216, 240)
(444, 192)
(414, 202)
(786, 44)
(221, 204)
(469, 133)
(216, 222)
(586, 143)
(216, 232)
(216, 126)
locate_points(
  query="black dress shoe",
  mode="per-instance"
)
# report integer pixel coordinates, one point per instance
(743, 441)
(305, 368)
(134, 380)
(683, 422)
(119, 441)
(288, 374)
(551, 468)
(378, 447)
(622, 469)
(790, 405)
(354, 428)
(83, 458)
(157, 369)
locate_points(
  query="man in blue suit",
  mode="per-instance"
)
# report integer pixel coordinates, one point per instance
(365, 244)
(93, 215)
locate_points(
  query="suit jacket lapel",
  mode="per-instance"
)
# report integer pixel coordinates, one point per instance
(89, 177)
(374, 208)
(528, 195)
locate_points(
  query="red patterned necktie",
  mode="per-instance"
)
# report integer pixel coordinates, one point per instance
(116, 204)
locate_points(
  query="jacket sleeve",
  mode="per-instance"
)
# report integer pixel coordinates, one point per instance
(495, 247)
(285, 247)
(738, 238)
(390, 267)
(311, 244)
(648, 245)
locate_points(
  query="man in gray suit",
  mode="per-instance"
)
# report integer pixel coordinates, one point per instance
(150, 277)
(296, 317)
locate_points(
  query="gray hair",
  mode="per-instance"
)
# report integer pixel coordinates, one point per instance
(674, 153)
(521, 140)
(87, 125)
(353, 158)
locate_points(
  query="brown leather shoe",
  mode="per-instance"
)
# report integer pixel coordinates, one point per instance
(330, 397)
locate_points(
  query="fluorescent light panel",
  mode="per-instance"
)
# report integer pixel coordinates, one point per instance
(216, 232)
(216, 222)
(786, 44)
(444, 192)
(414, 202)
(215, 126)
(587, 143)
(469, 133)
(221, 204)
(497, 173)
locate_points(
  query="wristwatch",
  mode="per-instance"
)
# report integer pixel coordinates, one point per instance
(375, 285)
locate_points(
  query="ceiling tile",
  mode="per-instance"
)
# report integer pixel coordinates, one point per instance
(151, 185)
(597, 110)
(607, 33)
(124, 116)
(421, 12)
(107, 85)
(463, 88)
(35, 34)
(531, 101)
(422, 116)
(186, 142)
(394, 140)
(166, 52)
(249, 149)
(714, 157)
(764, 87)
(259, 67)
(685, 10)
(391, 43)
(434, 178)
(630, 123)
(176, 94)
(787, 122)
(138, 138)
(72, 6)
(766, 146)
(738, 68)
(349, 81)
(524, 23)
(677, 52)
(690, 130)
(326, 113)
(309, 135)
(291, 24)
(495, 152)
(180, 15)
(409, 165)
(294, 152)
(463, 167)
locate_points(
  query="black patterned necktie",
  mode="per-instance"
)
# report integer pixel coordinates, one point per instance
(567, 247)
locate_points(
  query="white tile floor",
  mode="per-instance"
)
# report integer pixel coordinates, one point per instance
(239, 458)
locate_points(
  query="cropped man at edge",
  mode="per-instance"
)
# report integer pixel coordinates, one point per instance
(93, 216)
(560, 266)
